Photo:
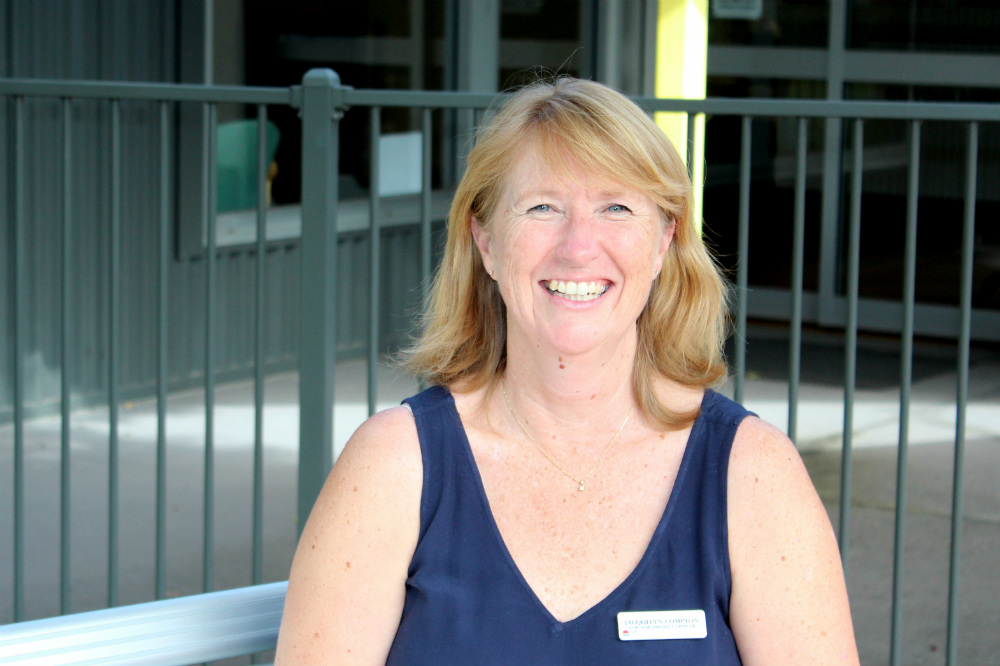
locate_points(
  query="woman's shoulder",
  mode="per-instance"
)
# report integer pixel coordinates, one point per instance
(763, 454)
(397, 420)
(383, 456)
(376, 481)
(783, 557)
(356, 548)
(389, 436)
(756, 435)
(379, 467)
(770, 494)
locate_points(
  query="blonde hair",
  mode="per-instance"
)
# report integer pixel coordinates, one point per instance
(683, 326)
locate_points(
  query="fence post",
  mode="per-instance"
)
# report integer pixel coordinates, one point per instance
(321, 111)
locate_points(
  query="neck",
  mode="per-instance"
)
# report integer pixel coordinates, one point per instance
(577, 391)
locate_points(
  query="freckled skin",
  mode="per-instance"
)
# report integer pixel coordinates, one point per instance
(766, 481)
(375, 483)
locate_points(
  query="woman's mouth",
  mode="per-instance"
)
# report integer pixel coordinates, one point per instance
(576, 291)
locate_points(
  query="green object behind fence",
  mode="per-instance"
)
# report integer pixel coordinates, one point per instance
(237, 167)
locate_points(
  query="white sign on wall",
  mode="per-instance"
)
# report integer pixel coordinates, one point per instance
(400, 164)
(749, 10)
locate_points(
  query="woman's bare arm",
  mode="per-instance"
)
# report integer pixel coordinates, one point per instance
(789, 601)
(347, 585)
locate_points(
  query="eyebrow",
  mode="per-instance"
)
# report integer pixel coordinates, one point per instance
(612, 194)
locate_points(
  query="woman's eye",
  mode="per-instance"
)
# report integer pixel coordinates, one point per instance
(618, 208)
(541, 208)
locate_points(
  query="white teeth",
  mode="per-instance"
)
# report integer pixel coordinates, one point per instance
(577, 291)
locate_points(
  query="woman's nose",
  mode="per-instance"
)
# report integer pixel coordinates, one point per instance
(578, 242)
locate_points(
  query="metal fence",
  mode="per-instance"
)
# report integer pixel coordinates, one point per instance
(321, 101)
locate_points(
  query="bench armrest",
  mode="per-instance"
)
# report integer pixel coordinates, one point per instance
(171, 632)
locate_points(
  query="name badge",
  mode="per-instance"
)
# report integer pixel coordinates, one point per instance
(661, 625)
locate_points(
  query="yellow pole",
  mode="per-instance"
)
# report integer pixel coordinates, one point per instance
(681, 70)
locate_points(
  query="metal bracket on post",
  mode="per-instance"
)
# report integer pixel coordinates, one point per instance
(340, 106)
(321, 107)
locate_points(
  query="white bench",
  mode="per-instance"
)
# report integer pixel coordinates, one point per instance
(171, 632)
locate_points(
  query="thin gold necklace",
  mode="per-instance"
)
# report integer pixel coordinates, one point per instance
(580, 482)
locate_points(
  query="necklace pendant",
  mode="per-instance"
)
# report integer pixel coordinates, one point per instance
(581, 485)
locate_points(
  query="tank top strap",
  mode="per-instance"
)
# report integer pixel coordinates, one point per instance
(701, 502)
(438, 427)
(722, 410)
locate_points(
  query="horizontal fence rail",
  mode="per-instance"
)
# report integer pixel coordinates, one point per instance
(345, 97)
(323, 265)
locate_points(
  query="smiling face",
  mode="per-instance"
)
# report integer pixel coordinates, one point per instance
(574, 255)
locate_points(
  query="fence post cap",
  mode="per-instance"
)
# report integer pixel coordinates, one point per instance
(321, 77)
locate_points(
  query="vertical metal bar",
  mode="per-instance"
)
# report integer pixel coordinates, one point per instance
(114, 315)
(905, 387)
(466, 134)
(742, 256)
(830, 231)
(426, 240)
(20, 316)
(851, 343)
(161, 354)
(426, 249)
(689, 152)
(321, 110)
(830, 219)
(65, 503)
(607, 21)
(208, 538)
(798, 262)
(374, 257)
(965, 335)
(259, 356)
(650, 13)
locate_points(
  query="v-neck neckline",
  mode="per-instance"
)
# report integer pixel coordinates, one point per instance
(636, 572)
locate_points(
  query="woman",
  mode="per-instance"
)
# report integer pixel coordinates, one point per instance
(569, 491)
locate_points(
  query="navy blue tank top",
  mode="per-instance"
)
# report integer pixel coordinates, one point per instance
(468, 604)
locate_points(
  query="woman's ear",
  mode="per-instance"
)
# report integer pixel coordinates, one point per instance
(666, 238)
(482, 240)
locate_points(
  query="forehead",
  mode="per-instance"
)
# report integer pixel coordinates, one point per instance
(538, 167)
